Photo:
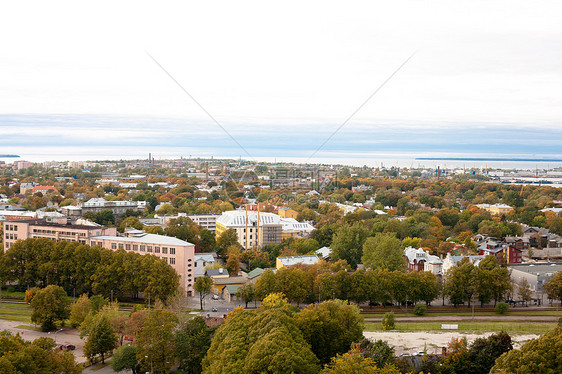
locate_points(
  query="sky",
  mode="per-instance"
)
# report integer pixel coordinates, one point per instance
(484, 77)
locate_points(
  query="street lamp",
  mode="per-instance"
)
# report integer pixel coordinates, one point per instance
(55, 333)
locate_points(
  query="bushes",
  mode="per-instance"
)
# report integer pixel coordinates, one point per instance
(501, 308)
(388, 321)
(420, 309)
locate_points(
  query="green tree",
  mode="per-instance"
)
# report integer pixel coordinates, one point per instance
(263, 341)
(330, 327)
(542, 355)
(383, 252)
(207, 241)
(524, 290)
(19, 356)
(381, 353)
(553, 287)
(354, 362)
(156, 341)
(79, 310)
(125, 358)
(101, 338)
(203, 287)
(292, 283)
(225, 240)
(193, 339)
(49, 306)
(461, 282)
(247, 293)
(130, 222)
(483, 352)
(266, 284)
(347, 243)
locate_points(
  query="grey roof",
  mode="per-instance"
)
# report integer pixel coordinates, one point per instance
(538, 267)
(324, 252)
(146, 238)
(207, 257)
(231, 280)
(294, 260)
(237, 218)
(215, 272)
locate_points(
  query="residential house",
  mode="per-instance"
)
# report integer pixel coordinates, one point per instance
(420, 260)
(450, 261)
(200, 261)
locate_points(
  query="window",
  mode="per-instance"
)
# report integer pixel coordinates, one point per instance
(194, 265)
(156, 249)
(164, 250)
(120, 245)
(113, 246)
(165, 259)
(149, 248)
(127, 247)
(142, 248)
(173, 261)
(172, 251)
(135, 247)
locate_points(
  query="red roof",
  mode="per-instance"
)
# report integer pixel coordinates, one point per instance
(43, 188)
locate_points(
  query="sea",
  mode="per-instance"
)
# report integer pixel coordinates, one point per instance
(64, 137)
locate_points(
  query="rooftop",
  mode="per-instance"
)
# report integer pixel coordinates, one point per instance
(538, 267)
(146, 238)
(237, 218)
(42, 222)
(294, 260)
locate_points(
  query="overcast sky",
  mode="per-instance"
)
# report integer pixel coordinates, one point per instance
(303, 63)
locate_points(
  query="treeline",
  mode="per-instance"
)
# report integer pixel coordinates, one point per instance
(80, 268)
(324, 281)
(311, 283)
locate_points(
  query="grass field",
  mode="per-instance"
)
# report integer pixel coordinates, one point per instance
(511, 312)
(15, 312)
(473, 327)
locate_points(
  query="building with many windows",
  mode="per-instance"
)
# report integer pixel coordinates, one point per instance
(57, 229)
(252, 232)
(176, 252)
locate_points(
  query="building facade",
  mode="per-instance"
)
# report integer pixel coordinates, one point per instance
(252, 232)
(118, 207)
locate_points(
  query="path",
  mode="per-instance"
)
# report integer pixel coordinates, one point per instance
(66, 336)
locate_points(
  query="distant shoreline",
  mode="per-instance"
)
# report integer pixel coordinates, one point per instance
(9, 156)
(486, 159)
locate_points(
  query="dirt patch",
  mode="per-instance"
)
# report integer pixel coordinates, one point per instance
(410, 342)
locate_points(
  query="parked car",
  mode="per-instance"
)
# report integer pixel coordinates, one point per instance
(69, 347)
(59, 346)
(215, 297)
(214, 309)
